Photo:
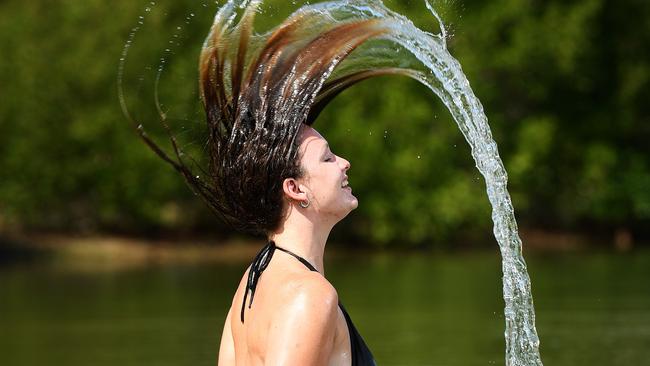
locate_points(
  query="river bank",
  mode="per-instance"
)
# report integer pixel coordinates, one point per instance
(126, 251)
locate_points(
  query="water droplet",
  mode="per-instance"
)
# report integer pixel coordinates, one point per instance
(419, 156)
(147, 9)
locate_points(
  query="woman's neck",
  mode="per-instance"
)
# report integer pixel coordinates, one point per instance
(303, 238)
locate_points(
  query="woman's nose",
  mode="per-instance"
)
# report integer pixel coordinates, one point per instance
(346, 164)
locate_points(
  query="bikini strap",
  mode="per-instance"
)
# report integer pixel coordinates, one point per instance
(258, 266)
(261, 261)
(301, 259)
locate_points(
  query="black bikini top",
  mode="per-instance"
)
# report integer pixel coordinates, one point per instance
(361, 355)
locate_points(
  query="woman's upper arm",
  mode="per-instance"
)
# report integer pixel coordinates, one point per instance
(227, 347)
(303, 331)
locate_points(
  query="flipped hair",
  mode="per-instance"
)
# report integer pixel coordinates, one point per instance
(255, 105)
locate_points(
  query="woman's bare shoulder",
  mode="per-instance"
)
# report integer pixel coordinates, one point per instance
(310, 287)
(306, 289)
(305, 321)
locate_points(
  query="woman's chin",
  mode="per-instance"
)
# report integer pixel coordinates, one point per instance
(354, 203)
(350, 204)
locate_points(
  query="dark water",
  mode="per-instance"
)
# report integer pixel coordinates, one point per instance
(415, 309)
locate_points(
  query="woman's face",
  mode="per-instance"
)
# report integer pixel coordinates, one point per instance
(325, 177)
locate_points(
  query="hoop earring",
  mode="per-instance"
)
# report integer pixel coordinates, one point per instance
(303, 204)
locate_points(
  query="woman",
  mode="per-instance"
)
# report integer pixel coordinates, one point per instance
(295, 318)
(277, 177)
(270, 173)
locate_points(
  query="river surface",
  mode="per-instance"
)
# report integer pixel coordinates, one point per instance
(412, 309)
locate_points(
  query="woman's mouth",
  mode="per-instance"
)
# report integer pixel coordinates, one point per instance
(346, 186)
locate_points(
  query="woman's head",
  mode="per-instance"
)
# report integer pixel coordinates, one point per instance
(259, 106)
(256, 125)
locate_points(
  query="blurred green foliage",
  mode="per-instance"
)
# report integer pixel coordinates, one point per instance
(565, 86)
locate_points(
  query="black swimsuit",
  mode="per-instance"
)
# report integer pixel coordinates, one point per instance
(361, 355)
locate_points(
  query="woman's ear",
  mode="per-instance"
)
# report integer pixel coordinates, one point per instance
(293, 190)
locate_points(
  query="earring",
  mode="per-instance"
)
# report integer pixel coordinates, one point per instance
(303, 204)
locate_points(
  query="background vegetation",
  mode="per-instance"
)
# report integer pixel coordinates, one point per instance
(565, 86)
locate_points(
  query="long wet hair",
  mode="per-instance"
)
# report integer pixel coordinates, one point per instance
(256, 103)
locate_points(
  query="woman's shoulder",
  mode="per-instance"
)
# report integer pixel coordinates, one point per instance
(309, 302)
(304, 324)
(309, 286)
(291, 307)
(286, 289)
